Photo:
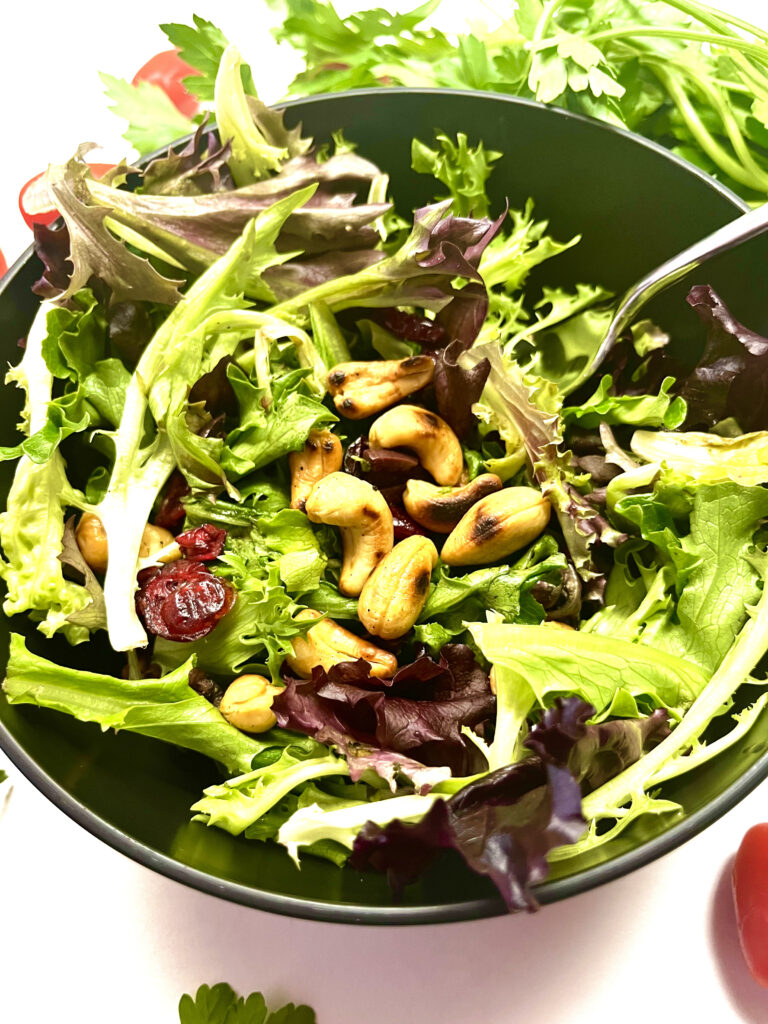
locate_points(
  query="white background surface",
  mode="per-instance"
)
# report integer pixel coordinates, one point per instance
(87, 935)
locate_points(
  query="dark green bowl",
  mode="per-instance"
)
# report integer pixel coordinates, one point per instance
(635, 205)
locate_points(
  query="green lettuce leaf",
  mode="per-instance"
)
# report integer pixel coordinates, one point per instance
(662, 410)
(166, 708)
(707, 458)
(533, 665)
(463, 169)
(32, 525)
(238, 803)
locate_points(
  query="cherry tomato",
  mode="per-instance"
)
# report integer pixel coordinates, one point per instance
(35, 202)
(167, 70)
(750, 894)
(3, 264)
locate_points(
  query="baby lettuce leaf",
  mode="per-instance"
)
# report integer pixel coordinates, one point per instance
(166, 708)
(662, 410)
(533, 665)
(94, 250)
(731, 378)
(420, 712)
(707, 458)
(32, 525)
(239, 802)
(593, 753)
(463, 169)
(270, 424)
(502, 825)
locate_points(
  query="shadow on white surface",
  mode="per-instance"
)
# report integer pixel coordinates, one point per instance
(748, 998)
(544, 968)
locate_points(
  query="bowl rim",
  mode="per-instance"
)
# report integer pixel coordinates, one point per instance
(350, 913)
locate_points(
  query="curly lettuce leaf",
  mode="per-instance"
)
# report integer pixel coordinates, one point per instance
(661, 410)
(94, 249)
(463, 169)
(166, 708)
(32, 525)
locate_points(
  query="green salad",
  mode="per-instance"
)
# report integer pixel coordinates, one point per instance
(356, 517)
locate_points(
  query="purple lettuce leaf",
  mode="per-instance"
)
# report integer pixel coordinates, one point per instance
(197, 169)
(94, 250)
(388, 765)
(731, 378)
(594, 753)
(419, 712)
(52, 249)
(457, 388)
(299, 275)
(503, 825)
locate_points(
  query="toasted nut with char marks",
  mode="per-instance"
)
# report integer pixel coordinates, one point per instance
(365, 521)
(440, 508)
(496, 526)
(397, 589)
(247, 703)
(320, 456)
(328, 644)
(425, 433)
(365, 388)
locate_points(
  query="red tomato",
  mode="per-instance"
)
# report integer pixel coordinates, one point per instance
(750, 894)
(167, 70)
(35, 203)
(3, 264)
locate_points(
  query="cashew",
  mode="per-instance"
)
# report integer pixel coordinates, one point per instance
(157, 543)
(247, 703)
(328, 644)
(496, 526)
(396, 590)
(363, 516)
(429, 436)
(161, 543)
(362, 389)
(440, 508)
(320, 456)
(554, 624)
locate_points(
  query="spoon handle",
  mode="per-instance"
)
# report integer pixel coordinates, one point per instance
(740, 230)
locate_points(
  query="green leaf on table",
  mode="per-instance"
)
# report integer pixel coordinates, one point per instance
(220, 1004)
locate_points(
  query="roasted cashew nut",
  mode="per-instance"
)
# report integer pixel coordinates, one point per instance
(497, 526)
(439, 509)
(365, 521)
(247, 703)
(397, 589)
(327, 644)
(157, 543)
(425, 433)
(320, 456)
(362, 389)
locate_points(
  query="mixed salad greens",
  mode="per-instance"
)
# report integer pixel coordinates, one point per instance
(689, 76)
(259, 402)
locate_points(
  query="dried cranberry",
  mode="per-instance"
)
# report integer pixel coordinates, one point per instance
(382, 467)
(202, 544)
(182, 601)
(171, 513)
(402, 522)
(410, 327)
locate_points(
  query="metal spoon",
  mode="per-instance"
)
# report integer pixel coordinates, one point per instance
(740, 230)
